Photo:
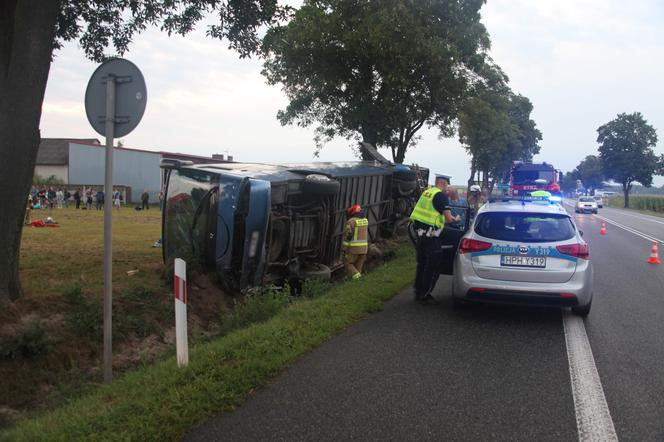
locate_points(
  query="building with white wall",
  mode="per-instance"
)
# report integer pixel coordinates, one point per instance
(80, 162)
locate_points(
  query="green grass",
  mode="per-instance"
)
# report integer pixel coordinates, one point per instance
(51, 258)
(51, 336)
(161, 402)
(653, 205)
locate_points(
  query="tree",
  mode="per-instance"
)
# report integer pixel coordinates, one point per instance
(626, 151)
(496, 129)
(569, 182)
(486, 131)
(590, 172)
(376, 70)
(30, 31)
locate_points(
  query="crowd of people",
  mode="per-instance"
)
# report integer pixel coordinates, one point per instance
(85, 198)
(61, 198)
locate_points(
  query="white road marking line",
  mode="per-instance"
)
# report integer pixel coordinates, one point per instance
(593, 419)
(640, 216)
(631, 230)
(628, 229)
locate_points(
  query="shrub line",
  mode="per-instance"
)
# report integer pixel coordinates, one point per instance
(161, 402)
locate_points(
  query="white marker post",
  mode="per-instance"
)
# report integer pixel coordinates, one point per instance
(180, 282)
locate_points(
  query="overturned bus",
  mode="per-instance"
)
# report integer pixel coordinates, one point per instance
(254, 224)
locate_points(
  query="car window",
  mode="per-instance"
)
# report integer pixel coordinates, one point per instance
(527, 227)
(586, 199)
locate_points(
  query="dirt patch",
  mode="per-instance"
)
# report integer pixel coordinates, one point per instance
(48, 356)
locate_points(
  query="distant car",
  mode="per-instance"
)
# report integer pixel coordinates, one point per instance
(520, 252)
(599, 200)
(586, 204)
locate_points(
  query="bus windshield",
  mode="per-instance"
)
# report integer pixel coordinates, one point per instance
(187, 214)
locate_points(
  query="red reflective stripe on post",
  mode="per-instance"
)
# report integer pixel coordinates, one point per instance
(180, 289)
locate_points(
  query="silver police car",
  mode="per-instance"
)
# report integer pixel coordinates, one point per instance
(523, 252)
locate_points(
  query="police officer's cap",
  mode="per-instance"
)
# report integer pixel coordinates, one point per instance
(447, 178)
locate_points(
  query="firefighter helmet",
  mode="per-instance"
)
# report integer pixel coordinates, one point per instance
(353, 210)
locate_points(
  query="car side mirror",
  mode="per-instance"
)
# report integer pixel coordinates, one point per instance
(581, 232)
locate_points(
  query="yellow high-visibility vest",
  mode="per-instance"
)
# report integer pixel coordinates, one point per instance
(358, 245)
(424, 211)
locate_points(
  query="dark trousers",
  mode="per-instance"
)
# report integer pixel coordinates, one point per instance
(145, 205)
(78, 204)
(428, 265)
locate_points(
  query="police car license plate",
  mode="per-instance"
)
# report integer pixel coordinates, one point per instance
(522, 261)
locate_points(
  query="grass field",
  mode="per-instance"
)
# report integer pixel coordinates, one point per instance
(648, 204)
(51, 258)
(50, 339)
(160, 402)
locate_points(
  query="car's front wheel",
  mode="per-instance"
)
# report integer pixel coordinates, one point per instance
(595, 212)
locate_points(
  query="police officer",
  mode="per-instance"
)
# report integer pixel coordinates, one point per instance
(429, 216)
(355, 243)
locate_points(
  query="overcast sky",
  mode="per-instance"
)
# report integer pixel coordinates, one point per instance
(581, 62)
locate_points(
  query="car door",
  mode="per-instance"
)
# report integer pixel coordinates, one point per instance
(451, 237)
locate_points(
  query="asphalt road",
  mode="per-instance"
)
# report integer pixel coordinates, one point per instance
(415, 372)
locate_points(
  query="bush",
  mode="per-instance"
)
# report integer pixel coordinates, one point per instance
(85, 315)
(258, 305)
(73, 293)
(29, 342)
(313, 288)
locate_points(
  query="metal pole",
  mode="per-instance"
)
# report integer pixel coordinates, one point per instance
(108, 211)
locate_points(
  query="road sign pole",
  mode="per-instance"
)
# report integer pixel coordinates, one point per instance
(116, 87)
(108, 211)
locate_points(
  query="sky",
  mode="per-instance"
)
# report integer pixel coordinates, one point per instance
(580, 62)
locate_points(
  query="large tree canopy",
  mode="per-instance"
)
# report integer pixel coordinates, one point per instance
(590, 172)
(626, 151)
(376, 70)
(29, 32)
(495, 128)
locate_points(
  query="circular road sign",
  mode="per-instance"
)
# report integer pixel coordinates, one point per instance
(130, 96)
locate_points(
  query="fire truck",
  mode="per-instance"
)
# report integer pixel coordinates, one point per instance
(529, 177)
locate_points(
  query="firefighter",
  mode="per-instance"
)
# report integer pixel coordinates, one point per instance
(355, 244)
(475, 200)
(429, 216)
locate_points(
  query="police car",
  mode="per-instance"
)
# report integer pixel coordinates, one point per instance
(523, 252)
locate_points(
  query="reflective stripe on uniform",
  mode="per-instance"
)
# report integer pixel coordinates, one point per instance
(359, 223)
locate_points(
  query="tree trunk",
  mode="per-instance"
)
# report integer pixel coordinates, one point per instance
(626, 194)
(485, 179)
(27, 29)
(471, 180)
(369, 135)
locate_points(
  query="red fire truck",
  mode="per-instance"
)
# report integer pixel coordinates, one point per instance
(528, 177)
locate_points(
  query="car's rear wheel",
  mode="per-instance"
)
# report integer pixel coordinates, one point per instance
(582, 311)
